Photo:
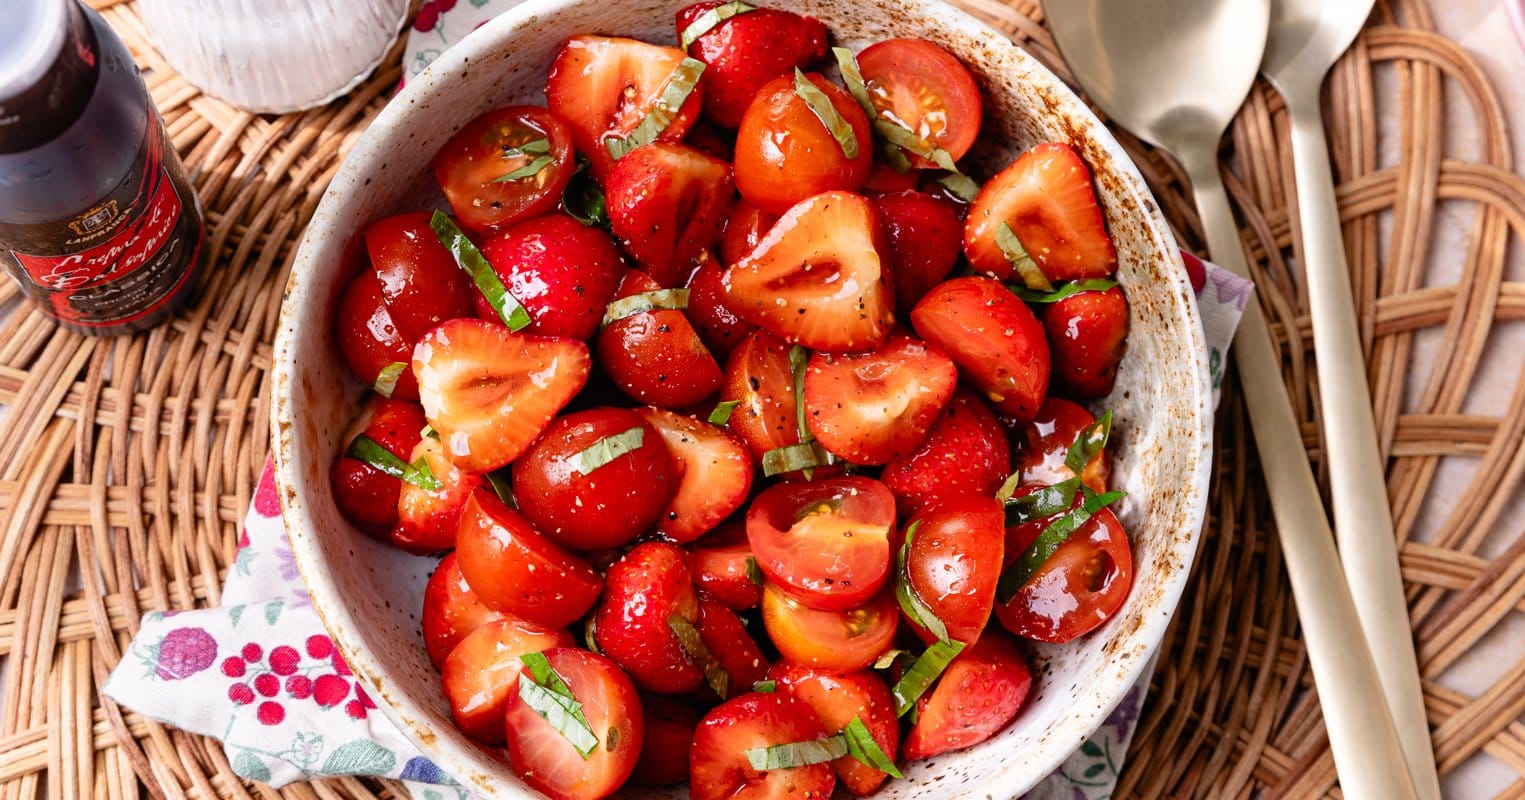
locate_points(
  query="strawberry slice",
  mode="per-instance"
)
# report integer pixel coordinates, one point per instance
(716, 323)
(604, 86)
(718, 765)
(727, 638)
(817, 278)
(715, 474)
(427, 517)
(669, 738)
(1046, 198)
(563, 272)
(667, 203)
(366, 496)
(838, 700)
(724, 569)
(451, 610)
(1088, 332)
(966, 452)
(482, 673)
(980, 691)
(748, 50)
(994, 338)
(872, 407)
(489, 392)
(922, 232)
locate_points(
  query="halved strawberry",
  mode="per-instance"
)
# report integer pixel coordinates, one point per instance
(718, 765)
(838, 700)
(872, 407)
(604, 86)
(644, 593)
(980, 691)
(366, 496)
(922, 234)
(669, 738)
(656, 356)
(451, 610)
(427, 517)
(369, 339)
(514, 569)
(1087, 332)
(965, 452)
(489, 392)
(548, 761)
(994, 338)
(667, 203)
(715, 474)
(759, 379)
(817, 278)
(562, 271)
(482, 673)
(748, 50)
(723, 568)
(1045, 196)
(728, 640)
(717, 324)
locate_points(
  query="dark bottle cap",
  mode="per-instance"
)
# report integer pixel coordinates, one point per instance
(49, 65)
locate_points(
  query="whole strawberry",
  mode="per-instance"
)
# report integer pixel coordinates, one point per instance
(746, 51)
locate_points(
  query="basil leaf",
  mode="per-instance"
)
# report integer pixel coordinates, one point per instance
(607, 449)
(1088, 443)
(799, 357)
(471, 260)
(914, 608)
(765, 686)
(1008, 487)
(583, 199)
(754, 572)
(793, 458)
(502, 488)
(820, 105)
(722, 413)
(856, 86)
(797, 754)
(698, 652)
(861, 745)
(670, 299)
(922, 674)
(1021, 261)
(590, 633)
(1044, 502)
(386, 379)
(896, 157)
(680, 84)
(709, 20)
(906, 139)
(1057, 533)
(366, 449)
(889, 658)
(1067, 289)
(961, 185)
(529, 170)
(429, 431)
(548, 695)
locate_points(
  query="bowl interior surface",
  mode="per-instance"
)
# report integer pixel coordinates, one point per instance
(369, 594)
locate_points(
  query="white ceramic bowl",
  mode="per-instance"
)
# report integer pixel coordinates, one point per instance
(370, 594)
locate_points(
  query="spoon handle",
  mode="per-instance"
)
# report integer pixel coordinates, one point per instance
(1363, 520)
(1361, 734)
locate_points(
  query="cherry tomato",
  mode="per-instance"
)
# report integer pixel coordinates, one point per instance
(482, 673)
(982, 689)
(421, 284)
(451, 610)
(1088, 333)
(547, 760)
(993, 337)
(721, 570)
(607, 505)
(369, 339)
(837, 700)
(517, 571)
(838, 641)
(885, 179)
(1078, 588)
(473, 167)
(826, 542)
(1043, 443)
(951, 566)
(669, 738)
(759, 378)
(927, 89)
(785, 154)
(656, 356)
(644, 593)
(718, 766)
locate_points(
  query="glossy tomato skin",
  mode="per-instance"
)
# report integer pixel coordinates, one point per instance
(645, 590)
(719, 566)
(1088, 333)
(826, 542)
(427, 519)
(562, 271)
(548, 762)
(784, 154)
(718, 767)
(994, 338)
(952, 564)
(746, 226)
(369, 339)
(716, 323)
(885, 179)
(983, 688)
(669, 737)
(516, 570)
(451, 610)
(606, 507)
(1043, 444)
(759, 378)
(481, 673)
(420, 282)
(922, 235)
(836, 641)
(1079, 587)
(965, 452)
(837, 700)
(471, 167)
(928, 89)
(366, 496)
(656, 357)
(745, 52)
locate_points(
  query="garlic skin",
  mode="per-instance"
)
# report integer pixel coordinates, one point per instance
(274, 56)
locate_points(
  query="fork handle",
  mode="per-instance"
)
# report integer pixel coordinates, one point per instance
(1361, 734)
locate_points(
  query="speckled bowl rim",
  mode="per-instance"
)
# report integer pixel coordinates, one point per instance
(1092, 705)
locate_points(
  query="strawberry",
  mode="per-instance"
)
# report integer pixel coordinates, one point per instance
(717, 324)
(560, 270)
(451, 610)
(369, 339)
(817, 278)
(748, 50)
(837, 700)
(482, 673)
(885, 179)
(981, 690)
(667, 203)
(643, 593)
(366, 496)
(718, 766)
(746, 227)
(656, 356)
(1087, 332)
(965, 452)
(517, 571)
(723, 568)
(489, 392)
(994, 338)
(872, 407)
(922, 237)
(604, 86)
(427, 518)
(715, 474)
(669, 738)
(1045, 196)
(727, 639)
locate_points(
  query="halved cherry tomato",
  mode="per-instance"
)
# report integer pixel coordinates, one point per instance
(721, 571)
(718, 766)
(474, 166)
(514, 569)
(633, 624)
(837, 700)
(669, 738)
(482, 673)
(1078, 588)
(420, 281)
(926, 89)
(451, 610)
(656, 356)
(952, 563)
(1087, 332)
(825, 542)
(993, 336)
(838, 641)
(982, 689)
(785, 154)
(1044, 442)
(548, 761)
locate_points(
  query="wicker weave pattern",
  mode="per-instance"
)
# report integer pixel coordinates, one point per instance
(132, 461)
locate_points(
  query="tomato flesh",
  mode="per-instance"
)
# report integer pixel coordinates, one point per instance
(839, 641)
(1079, 587)
(927, 90)
(473, 167)
(825, 542)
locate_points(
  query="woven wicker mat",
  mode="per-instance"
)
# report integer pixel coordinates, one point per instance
(131, 461)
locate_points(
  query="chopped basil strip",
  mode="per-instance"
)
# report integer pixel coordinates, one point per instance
(607, 449)
(793, 458)
(590, 634)
(889, 658)
(549, 696)
(1021, 261)
(905, 138)
(680, 84)
(1008, 487)
(502, 488)
(693, 646)
(1067, 289)
(366, 449)
(1057, 533)
(429, 431)
(961, 185)
(386, 379)
(709, 20)
(922, 674)
(853, 77)
(799, 357)
(897, 158)
(861, 745)
(914, 608)
(722, 413)
(1044, 502)
(765, 686)
(583, 199)
(1088, 443)
(673, 299)
(471, 260)
(820, 105)
(797, 754)
(529, 170)
(754, 572)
